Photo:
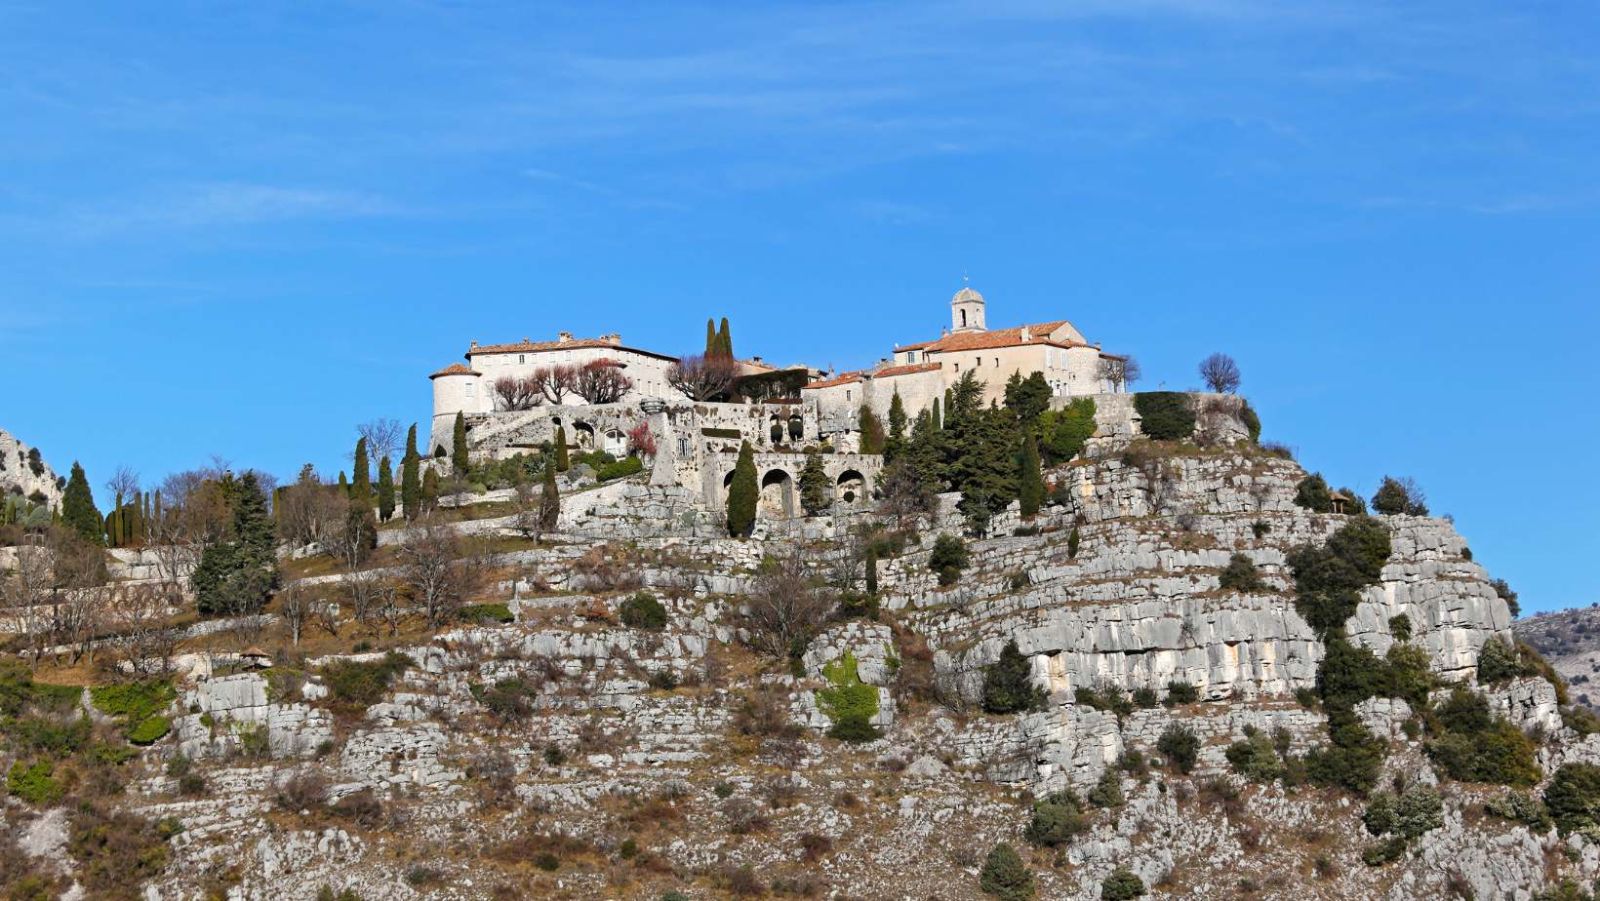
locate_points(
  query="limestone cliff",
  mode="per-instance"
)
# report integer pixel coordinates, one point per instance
(25, 474)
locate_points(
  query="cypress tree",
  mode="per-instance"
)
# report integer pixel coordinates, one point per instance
(411, 478)
(430, 490)
(361, 479)
(871, 429)
(549, 501)
(938, 417)
(725, 340)
(948, 418)
(458, 456)
(563, 462)
(385, 490)
(872, 570)
(113, 523)
(712, 345)
(78, 511)
(344, 484)
(1030, 482)
(896, 442)
(814, 485)
(742, 494)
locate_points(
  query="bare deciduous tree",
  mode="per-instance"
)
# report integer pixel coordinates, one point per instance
(440, 569)
(703, 378)
(383, 437)
(139, 615)
(124, 483)
(1221, 373)
(24, 590)
(906, 494)
(294, 605)
(1119, 371)
(601, 382)
(518, 393)
(789, 601)
(311, 511)
(555, 382)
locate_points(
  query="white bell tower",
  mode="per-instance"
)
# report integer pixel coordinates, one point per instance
(966, 310)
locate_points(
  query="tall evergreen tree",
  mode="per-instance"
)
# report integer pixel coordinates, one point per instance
(385, 490)
(1030, 487)
(411, 478)
(979, 439)
(236, 575)
(361, 477)
(871, 430)
(946, 416)
(896, 442)
(78, 511)
(344, 484)
(458, 456)
(743, 494)
(938, 415)
(815, 486)
(713, 346)
(549, 501)
(1027, 397)
(563, 462)
(430, 490)
(725, 340)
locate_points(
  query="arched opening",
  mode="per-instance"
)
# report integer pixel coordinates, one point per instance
(583, 436)
(777, 493)
(963, 318)
(851, 488)
(775, 429)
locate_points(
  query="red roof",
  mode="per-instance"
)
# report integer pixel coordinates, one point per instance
(892, 371)
(841, 379)
(521, 347)
(455, 369)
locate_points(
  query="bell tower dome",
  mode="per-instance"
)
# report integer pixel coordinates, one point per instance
(966, 311)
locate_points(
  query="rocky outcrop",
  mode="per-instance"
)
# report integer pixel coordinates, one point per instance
(25, 474)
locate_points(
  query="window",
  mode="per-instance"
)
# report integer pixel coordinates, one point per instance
(522, 358)
(963, 318)
(847, 394)
(997, 362)
(979, 363)
(911, 356)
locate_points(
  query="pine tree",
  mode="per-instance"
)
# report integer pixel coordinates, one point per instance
(1005, 876)
(563, 462)
(978, 440)
(78, 511)
(385, 490)
(1008, 684)
(742, 494)
(1027, 397)
(361, 478)
(430, 490)
(1030, 479)
(411, 478)
(549, 501)
(814, 485)
(458, 457)
(235, 576)
(896, 442)
(725, 340)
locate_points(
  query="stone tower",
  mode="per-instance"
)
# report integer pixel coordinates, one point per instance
(966, 311)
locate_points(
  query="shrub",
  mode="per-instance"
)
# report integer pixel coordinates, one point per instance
(621, 469)
(1107, 792)
(363, 683)
(487, 613)
(1121, 885)
(1255, 758)
(1145, 697)
(1008, 684)
(150, 730)
(115, 851)
(1252, 422)
(138, 705)
(1399, 497)
(948, 558)
(1472, 746)
(1181, 692)
(1408, 816)
(1573, 799)
(34, 783)
(848, 702)
(1499, 662)
(1312, 493)
(1180, 746)
(1165, 415)
(1005, 876)
(1328, 579)
(1520, 807)
(1383, 852)
(643, 611)
(305, 790)
(1241, 575)
(1056, 820)
(1400, 627)
(1260, 529)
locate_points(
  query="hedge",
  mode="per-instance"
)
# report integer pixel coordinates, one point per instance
(1165, 415)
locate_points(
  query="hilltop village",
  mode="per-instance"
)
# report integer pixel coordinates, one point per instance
(979, 621)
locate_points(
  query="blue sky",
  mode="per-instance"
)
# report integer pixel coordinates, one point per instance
(240, 229)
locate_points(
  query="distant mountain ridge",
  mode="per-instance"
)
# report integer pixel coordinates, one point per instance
(1570, 640)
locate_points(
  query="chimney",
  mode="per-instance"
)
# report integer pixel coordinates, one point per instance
(563, 337)
(1027, 335)
(614, 339)
(473, 344)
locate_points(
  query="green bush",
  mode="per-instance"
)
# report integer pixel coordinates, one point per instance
(1107, 792)
(1499, 662)
(34, 783)
(1328, 579)
(363, 683)
(1520, 807)
(1180, 692)
(1400, 627)
(1180, 746)
(643, 611)
(949, 555)
(1419, 810)
(1252, 422)
(134, 703)
(149, 730)
(1313, 494)
(1144, 697)
(1255, 758)
(848, 702)
(1383, 852)
(1573, 799)
(1005, 876)
(1121, 885)
(1470, 745)
(115, 850)
(1165, 415)
(621, 469)
(486, 613)
(1073, 542)
(1241, 575)
(1008, 684)
(1056, 820)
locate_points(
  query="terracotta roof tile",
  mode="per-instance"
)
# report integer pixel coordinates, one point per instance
(912, 369)
(844, 378)
(572, 344)
(455, 369)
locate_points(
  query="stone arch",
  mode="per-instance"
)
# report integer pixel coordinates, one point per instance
(777, 493)
(850, 488)
(583, 436)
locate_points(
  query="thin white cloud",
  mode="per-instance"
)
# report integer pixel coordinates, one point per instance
(222, 204)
